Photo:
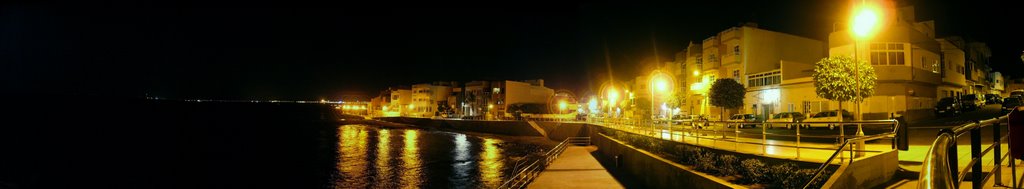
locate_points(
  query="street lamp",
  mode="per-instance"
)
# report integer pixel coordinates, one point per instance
(562, 105)
(661, 83)
(863, 25)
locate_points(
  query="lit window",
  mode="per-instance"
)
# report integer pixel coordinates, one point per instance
(887, 54)
(736, 50)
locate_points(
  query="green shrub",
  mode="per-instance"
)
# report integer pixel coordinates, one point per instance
(727, 165)
(706, 162)
(799, 178)
(777, 174)
(753, 171)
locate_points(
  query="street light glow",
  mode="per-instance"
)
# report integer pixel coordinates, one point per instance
(865, 21)
(613, 95)
(661, 84)
(562, 105)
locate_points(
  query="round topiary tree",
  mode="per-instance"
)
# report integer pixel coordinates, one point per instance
(839, 78)
(727, 93)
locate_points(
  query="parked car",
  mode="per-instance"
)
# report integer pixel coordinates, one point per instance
(744, 120)
(787, 119)
(971, 102)
(828, 116)
(1012, 102)
(948, 106)
(1019, 93)
(993, 99)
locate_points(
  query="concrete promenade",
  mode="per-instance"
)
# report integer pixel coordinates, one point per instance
(575, 168)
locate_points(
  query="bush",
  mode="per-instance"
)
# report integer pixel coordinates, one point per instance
(777, 174)
(706, 162)
(799, 178)
(727, 165)
(753, 171)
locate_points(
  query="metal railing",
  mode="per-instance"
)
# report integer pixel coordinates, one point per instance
(728, 131)
(940, 169)
(717, 131)
(821, 169)
(523, 175)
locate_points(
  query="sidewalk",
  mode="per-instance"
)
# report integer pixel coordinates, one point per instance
(575, 168)
(754, 146)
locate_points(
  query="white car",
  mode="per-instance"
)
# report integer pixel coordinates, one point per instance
(788, 119)
(828, 116)
(744, 120)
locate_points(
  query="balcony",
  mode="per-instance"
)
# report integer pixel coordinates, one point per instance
(730, 33)
(903, 73)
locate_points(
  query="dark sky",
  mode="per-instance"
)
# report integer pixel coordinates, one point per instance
(137, 48)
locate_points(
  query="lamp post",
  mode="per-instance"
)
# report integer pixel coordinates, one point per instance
(660, 83)
(864, 24)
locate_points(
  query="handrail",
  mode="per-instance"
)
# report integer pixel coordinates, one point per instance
(821, 169)
(523, 176)
(939, 169)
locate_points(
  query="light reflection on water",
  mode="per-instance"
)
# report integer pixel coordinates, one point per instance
(352, 149)
(411, 161)
(491, 163)
(369, 157)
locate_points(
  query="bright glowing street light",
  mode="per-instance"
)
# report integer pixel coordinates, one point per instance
(865, 21)
(562, 105)
(696, 73)
(613, 95)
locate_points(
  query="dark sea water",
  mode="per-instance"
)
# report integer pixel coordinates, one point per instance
(409, 158)
(116, 143)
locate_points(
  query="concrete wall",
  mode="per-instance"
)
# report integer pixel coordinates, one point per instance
(868, 172)
(559, 131)
(512, 128)
(653, 171)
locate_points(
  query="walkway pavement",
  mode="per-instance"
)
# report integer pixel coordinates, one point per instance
(725, 140)
(575, 168)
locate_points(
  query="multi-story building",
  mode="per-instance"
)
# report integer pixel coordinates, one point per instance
(978, 55)
(493, 98)
(954, 82)
(998, 84)
(523, 92)
(906, 58)
(754, 57)
(476, 97)
(401, 102)
(427, 97)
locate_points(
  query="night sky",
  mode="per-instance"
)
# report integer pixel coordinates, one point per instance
(132, 49)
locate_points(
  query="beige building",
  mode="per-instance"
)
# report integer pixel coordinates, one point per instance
(401, 99)
(493, 98)
(427, 97)
(998, 83)
(954, 82)
(522, 92)
(906, 57)
(756, 58)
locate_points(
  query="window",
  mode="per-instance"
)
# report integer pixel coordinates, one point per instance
(763, 79)
(712, 58)
(736, 50)
(699, 60)
(887, 54)
(736, 75)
